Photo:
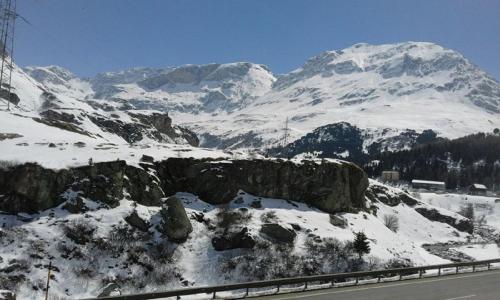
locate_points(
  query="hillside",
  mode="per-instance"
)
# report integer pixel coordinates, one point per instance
(384, 90)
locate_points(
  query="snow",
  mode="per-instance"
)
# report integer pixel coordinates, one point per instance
(427, 182)
(199, 261)
(483, 206)
(383, 94)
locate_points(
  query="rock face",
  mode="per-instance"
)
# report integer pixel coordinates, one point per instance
(277, 233)
(329, 186)
(31, 188)
(227, 241)
(176, 224)
(434, 215)
(378, 192)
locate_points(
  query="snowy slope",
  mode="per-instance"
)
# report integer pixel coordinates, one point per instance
(195, 262)
(56, 126)
(382, 89)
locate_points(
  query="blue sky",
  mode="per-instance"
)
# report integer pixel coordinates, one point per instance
(91, 36)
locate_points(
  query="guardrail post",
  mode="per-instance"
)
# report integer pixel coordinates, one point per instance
(473, 267)
(278, 290)
(420, 273)
(213, 297)
(305, 286)
(439, 271)
(378, 278)
(178, 297)
(333, 283)
(456, 270)
(400, 276)
(246, 292)
(357, 280)
(489, 266)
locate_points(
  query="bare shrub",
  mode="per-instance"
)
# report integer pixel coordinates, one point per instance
(391, 222)
(268, 217)
(227, 218)
(80, 230)
(467, 211)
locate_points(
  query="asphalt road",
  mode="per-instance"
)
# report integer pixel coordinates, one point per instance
(468, 286)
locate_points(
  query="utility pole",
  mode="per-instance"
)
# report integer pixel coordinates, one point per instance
(285, 138)
(8, 17)
(48, 281)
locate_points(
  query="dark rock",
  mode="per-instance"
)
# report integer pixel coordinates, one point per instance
(175, 222)
(6, 136)
(147, 158)
(59, 116)
(278, 233)
(142, 187)
(227, 241)
(464, 225)
(331, 187)
(9, 96)
(75, 206)
(52, 145)
(296, 226)
(198, 216)
(135, 221)
(381, 193)
(337, 221)
(256, 204)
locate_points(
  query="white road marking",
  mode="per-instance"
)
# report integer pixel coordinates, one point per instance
(463, 297)
(417, 281)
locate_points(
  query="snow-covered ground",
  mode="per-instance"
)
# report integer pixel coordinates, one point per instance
(382, 89)
(42, 236)
(484, 208)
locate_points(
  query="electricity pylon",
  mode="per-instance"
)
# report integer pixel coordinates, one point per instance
(8, 17)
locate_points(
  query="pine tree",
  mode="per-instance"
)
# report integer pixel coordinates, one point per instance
(361, 245)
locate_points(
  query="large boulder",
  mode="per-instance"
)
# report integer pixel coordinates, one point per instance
(175, 222)
(277, 233)
(235, 240)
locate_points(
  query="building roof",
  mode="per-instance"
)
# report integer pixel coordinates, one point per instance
(479, 186)
(427, 182)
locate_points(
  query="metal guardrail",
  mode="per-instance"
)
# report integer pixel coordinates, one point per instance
(329, 278)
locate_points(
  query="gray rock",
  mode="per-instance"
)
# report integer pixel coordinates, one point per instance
(176, 225)
(135, 221)
(109, 290)
(277, 233)
(227, 241)
(337, 221)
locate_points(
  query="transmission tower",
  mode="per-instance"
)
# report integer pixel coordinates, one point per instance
(8, 17)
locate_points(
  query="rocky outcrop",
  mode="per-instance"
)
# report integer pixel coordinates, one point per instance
(31, 188)
(235, 240)
(277, 233)
(163, 125)
(329, 186)
(464, 225)
(378, 192)
(175, 222)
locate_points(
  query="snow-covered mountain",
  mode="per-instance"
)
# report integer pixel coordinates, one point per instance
(385, 90)
(53, 122)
